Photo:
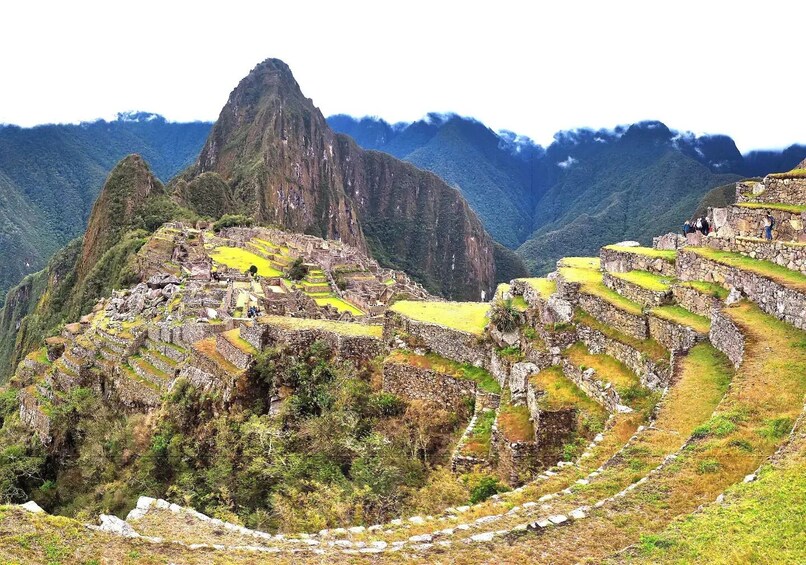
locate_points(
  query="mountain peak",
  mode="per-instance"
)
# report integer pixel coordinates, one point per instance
(127, 190)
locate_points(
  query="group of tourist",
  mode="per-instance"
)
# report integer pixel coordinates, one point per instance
(702, 226)
(699, 225)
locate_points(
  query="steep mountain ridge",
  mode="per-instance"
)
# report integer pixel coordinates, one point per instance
(50, 176)
(285, 166)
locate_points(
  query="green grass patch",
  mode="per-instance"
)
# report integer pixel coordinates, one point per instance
(712, 289)
(234, 337)
(241, 259)
(434, 362)
(468, 317)
(768, 269)
(585, 271)
(794, 173)
(562, 394)
(342, 328)
(791, 208)
(666, 254)
(680, 315)
(543, 286)
(339, 304)
(647, 280)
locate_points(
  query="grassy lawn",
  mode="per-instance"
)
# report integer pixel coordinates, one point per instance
(647, 280)
(40, 356)
(585, 271)
(468, 317)
(434, 362)
(782, 275)
(712, 289)
(793, 208)
(794, 173)
(543, 286)
(649, 347)
(343, 328)
(665, 254)
(680, 315)
(241, 259)
(339, 304)
(234, 337)
(478, 442)
(759, 522)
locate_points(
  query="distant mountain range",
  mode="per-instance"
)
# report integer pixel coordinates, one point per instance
(50, 176)
(586, 189)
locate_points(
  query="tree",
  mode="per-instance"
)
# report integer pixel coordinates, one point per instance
(297, 270)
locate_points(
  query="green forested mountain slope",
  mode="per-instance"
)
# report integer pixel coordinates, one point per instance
(50, 176)
(586, 188)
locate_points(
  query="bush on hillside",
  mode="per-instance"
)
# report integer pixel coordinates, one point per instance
(231, 220)
(505, 316)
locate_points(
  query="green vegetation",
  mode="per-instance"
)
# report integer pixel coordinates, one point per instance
(665, 254)
(241, 260)
(343, 328)
(297, 270)
(778, 273)
(463, 316)
(562, 394)
(232, 220)
(339, 304)
(647, 280)
(543, 286)
(759, 522)
(478, 442)
(505, 316)
(434, 362)
(712, 289)
(649, 347)
(792, 208)
(609, 369)
(794, 173)
(584, 270)
(680, 315)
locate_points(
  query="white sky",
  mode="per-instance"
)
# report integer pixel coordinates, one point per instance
(531, 67)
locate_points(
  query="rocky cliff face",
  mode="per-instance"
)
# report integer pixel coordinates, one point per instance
(285, 166)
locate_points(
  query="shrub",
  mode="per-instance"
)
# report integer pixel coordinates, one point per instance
(230, 220)
(341, 282)
(252, 270)
(486, 487)
(505, 316)
(297, 270)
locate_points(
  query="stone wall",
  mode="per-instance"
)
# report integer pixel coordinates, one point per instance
(587, 380)
(653, 374)
(518, 461)
(637, 293)
(33, 417)
(132, 395)
(749, 222)
(630, 324)
(616, 261)
(453, 344)
(669, 241)
(791, 255)
(415, 383)
(673, 336)
(233, 353)
(358, 349)
(727, 337)
(775, 299)
(695, 301)
(773, 189)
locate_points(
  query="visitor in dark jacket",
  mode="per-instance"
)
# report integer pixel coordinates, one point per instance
(769, 223)
(702, 225)
(687, 228)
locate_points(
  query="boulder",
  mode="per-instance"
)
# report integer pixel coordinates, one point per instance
(162, 280)
(33, 507)
(115, 525)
